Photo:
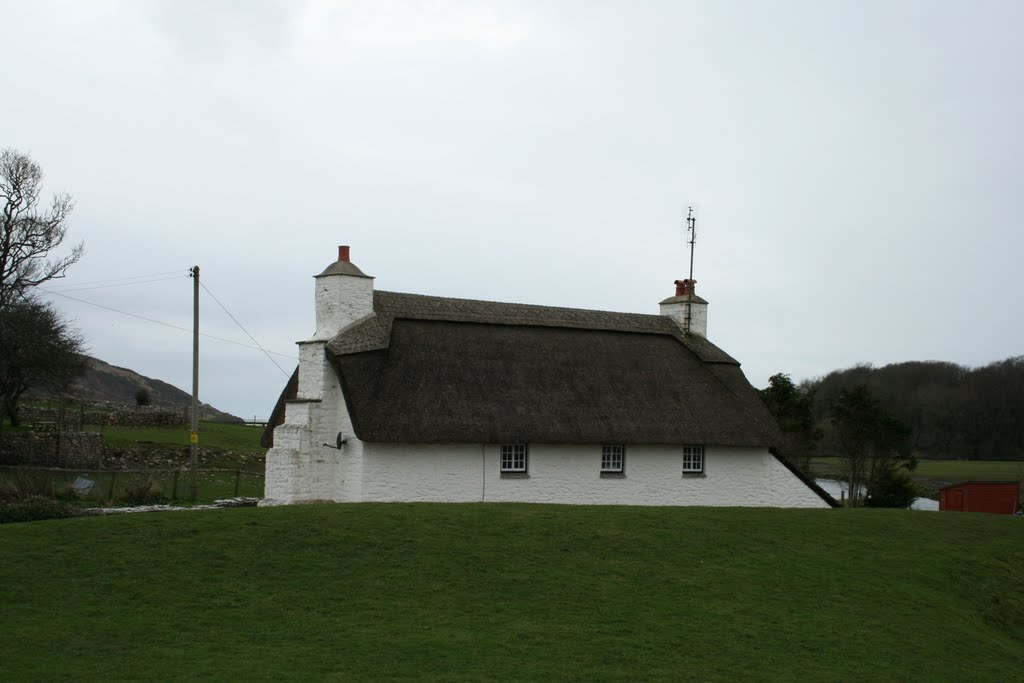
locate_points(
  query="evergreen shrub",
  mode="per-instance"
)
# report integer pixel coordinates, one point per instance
(34, 508)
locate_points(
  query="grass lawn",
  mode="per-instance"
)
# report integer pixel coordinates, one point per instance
(527, 592)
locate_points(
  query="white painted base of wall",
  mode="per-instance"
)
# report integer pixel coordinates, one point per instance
(569, 474)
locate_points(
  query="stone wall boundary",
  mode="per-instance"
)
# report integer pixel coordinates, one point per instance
(51, 449)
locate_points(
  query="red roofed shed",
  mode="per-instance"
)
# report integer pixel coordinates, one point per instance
(998, 497)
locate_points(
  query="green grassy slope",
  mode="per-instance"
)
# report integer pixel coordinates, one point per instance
(211, 435)
(515, 592)
(944, 470)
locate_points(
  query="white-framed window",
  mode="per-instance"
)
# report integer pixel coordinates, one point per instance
(613, 459)
(693, 459)
(513, 457)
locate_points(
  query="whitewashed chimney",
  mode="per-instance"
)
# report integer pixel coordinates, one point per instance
(303, 464)
(687, 309)
(344, 294)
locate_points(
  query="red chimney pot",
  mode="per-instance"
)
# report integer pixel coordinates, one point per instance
(685, 287)
(343, 253)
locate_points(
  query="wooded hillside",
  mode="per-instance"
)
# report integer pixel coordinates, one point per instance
(953, 412)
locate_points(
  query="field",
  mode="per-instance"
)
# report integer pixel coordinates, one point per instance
(960, 470)
(941, 472)
(228, 435)
(526, 592)
(220, 435)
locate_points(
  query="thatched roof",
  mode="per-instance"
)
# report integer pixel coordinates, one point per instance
(437, 370)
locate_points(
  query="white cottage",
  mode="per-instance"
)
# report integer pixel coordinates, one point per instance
(403, 397)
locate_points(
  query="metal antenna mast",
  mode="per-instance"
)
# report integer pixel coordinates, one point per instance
(691, 228)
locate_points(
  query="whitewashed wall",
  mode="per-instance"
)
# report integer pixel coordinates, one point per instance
(571, 474)
(341, 301)
(300, 467)
(428, 472)
(698, 316)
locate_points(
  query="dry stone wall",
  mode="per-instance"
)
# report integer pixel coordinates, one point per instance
(51, 449)
(148, 416)
(107, 413)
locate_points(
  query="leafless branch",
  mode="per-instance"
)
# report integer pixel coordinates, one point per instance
(29, 232)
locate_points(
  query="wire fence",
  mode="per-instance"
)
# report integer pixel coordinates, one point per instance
(139, 486)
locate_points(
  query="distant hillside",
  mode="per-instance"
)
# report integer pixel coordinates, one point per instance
(106, 382)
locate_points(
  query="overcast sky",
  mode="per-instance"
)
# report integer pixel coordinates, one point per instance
(856, 168)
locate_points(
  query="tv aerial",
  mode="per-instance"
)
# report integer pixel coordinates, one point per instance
(691, 232)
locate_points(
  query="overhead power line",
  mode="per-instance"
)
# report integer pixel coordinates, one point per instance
(116, 284)
(160, 322)
(71, 286)
(242, 328)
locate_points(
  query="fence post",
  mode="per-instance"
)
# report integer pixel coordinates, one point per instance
(110, 492)
(174, 491)
(60, 434)
(238, 475)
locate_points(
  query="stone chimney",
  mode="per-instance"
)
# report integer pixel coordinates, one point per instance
(344, 294)
(687, 309)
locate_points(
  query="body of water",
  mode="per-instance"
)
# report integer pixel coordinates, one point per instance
(835, 488)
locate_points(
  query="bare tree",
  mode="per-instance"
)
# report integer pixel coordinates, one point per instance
(28, 231)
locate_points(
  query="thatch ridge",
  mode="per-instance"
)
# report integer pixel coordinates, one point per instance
(390, 305)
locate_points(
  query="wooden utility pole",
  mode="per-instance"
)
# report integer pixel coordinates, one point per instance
(194, 436)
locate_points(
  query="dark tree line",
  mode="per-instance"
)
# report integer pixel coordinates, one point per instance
(952, 412)
(873, 443)
(874, 446)
(793, 409)
(40, 351)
